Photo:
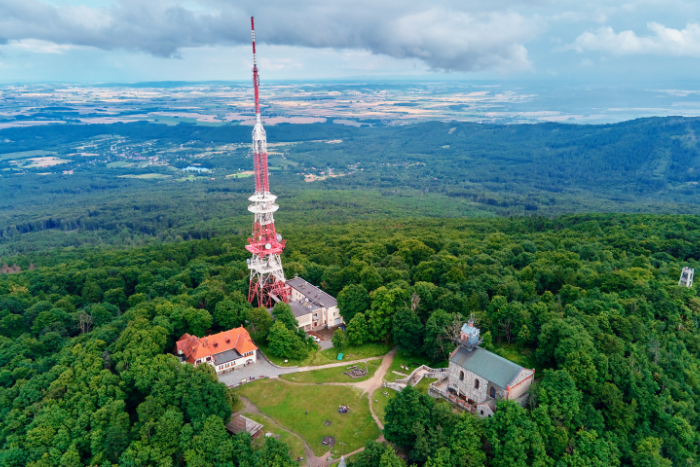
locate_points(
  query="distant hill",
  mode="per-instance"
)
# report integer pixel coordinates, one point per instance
(431, 169)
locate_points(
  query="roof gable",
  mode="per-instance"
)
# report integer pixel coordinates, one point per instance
(196, 348)
(487, 365)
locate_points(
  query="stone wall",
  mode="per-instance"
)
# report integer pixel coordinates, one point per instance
(467, 385)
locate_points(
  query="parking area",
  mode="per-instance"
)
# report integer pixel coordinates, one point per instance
(324, 338)
(261, 369)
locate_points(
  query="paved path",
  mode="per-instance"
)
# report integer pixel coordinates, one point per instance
(375, 383)
(335, 365)
(263, 368)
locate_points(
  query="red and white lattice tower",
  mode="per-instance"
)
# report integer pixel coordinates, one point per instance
(267, 283)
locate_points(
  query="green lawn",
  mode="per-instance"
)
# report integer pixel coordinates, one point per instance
(412, 362)
(333, 375)
(371, 349)
(146, 176)
(324, 357)
(119, 164)
(313, 359)
(238, 406)
(380, 401)
(287, 403)
(422, 386)
(26, 154)
(295, 444)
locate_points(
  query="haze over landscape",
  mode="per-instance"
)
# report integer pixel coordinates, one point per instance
(431, 234)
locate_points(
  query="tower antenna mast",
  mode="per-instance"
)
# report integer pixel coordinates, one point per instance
(267, 282)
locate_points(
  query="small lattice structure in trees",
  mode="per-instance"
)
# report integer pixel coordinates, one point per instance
(687, 277)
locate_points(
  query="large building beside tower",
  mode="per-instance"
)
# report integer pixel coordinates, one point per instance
(313, 308)
(267, 283)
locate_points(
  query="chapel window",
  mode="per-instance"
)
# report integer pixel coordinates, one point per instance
(461, 376)
(493, 392)
(476, 384)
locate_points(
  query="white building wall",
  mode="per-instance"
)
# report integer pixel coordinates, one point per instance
(304, 321)
(333, 316)
(521, 384)
(238, 363)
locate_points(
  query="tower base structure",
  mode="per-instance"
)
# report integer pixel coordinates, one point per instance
(267, 284)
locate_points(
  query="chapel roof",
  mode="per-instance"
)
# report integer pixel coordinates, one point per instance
(487, 365)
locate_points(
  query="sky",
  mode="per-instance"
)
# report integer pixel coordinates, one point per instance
(649, 43)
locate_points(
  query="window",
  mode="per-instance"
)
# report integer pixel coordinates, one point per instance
(492, 393)
(461, 376)
(476, 384)
(482, 412)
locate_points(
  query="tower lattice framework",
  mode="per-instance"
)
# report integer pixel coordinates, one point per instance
(267, 283)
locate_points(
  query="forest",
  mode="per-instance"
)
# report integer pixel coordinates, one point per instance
(591, 301)
(430, 169)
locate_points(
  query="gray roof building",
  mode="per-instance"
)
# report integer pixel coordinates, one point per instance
(302, 308)
(226, 356)
(487, 365)
(312, 293)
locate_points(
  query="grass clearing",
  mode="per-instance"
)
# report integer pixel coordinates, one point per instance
(146, 176)
(48, 161)
(287, 403)
(325, 357)
(26, 154)
(412, 362)
(333, 375)
(248, 173)
(238, 405)
(313, 359)
(422, 386)
(369, 350)
(380, 401)
(295, 444)
(119, 164)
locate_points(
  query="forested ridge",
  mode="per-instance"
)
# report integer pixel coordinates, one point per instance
(590, 301)
(430, 169)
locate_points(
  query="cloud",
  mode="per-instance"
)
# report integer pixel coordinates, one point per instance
(662, 41)
(446, 35)
(39, 46)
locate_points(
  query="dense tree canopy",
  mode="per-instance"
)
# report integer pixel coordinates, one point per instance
(591, 301)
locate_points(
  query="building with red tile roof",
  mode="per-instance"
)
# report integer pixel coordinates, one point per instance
(225, 351)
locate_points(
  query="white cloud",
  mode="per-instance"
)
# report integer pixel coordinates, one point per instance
(662, 41)
(446, 35)
(39, 46)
